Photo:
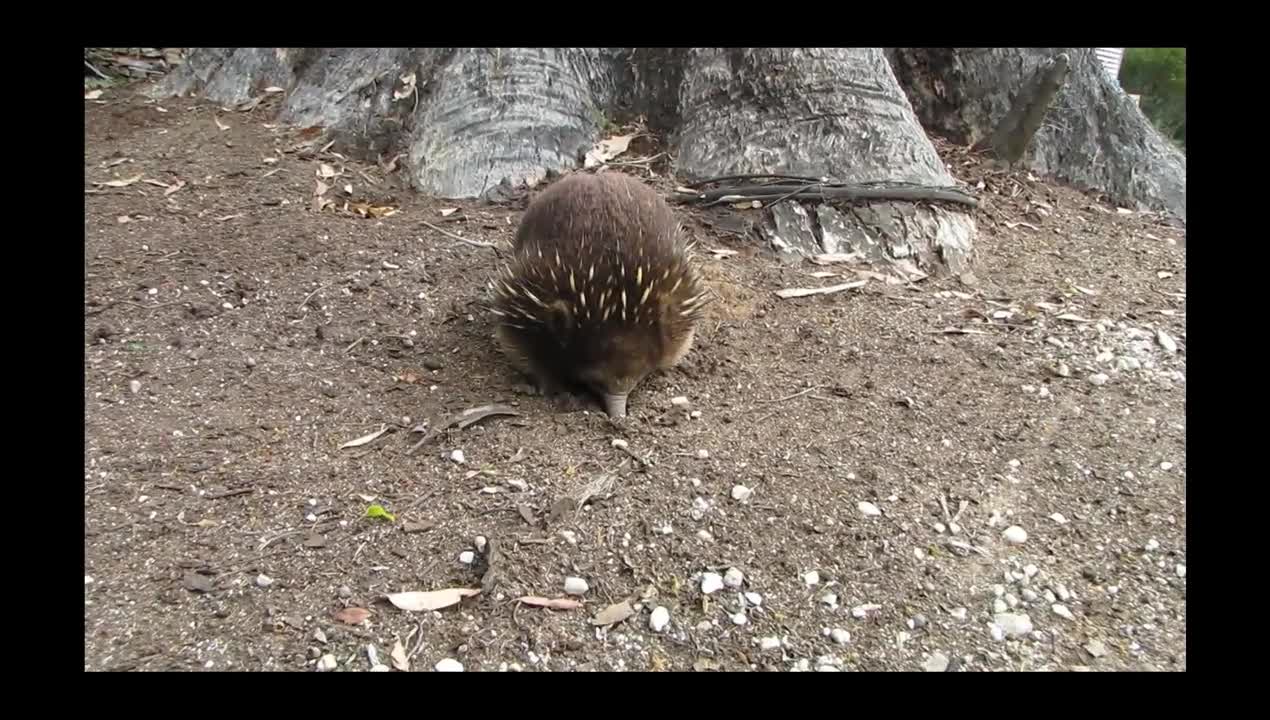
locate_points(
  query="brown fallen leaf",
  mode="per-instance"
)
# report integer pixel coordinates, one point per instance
(419, 601)
(552, 603)
(607, 149)
(365, 438)
(613, 614)
(122, 183)
(399, 658)
(352, 615)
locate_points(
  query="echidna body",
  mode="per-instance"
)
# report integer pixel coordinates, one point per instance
(601, 290)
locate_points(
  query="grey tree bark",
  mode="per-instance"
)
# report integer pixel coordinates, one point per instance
(484, 122)
(1093, 136)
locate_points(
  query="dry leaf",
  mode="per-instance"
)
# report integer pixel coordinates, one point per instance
(607, 149)
(220, 124)
(1069, 317)
(447, 212)
(92, 94)
(552, 603)
(273, 89)
(419, 601)
(352, 615)
(365, 438)
(613, 614)
(366, 498)
(321, 189)
(804, 292)
(399, 658)
(125, 182)
(326, 171)
(173, 188)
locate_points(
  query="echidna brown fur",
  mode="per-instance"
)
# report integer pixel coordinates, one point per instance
(601, 290)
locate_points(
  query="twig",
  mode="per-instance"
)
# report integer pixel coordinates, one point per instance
(309, 297)
(460, 238)
(96, 72)
(791, 397)
(354, 344)
(723, 178)
(230, 493)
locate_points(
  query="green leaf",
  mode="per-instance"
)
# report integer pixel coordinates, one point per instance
(378, 511)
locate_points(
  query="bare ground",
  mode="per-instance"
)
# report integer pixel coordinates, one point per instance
(235, 339)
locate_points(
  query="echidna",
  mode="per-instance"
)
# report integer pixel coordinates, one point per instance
(601, 290)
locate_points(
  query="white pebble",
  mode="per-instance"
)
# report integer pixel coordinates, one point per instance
(263, 580)
(830, 599)
(695, 414)
(740, 618)
(575, 586)
(705, 535)
(733, 579)
(1098, 379)
(227, 306)
(1166, 466)
(1059, 518)
(1044, 393)
(1181, 570)
(88, 580)
(999, 606)
(997, 633)
(868, 509)
(1030, 595)
(862, 611)
(741, 494)
(467, 557)
(1015, 535)
(1062, 611)
(940, 527)
(1127, 363)
(620, 443)
(457, 456)
(134, 386)
(937, 662)
(679, 401)
(479, 541)
(668, 530)
(958, 613)
(754, 599)
(998, 590)
(703, 454)
(1030, 570)
(954, 528)
(1166, 341)
(569, 536)
(311, 517)
(811, 578)
(840, 636)
(1152, 545)
(327, 663)
(1014, 464)
(659, 619)
(1029, 389)
(1011, 600)
(1013, 624)
(1063, 594)
(711, 582)
(380, 668)
(449, 665)
(1104, 357)
(770, 643)
(1063, 370)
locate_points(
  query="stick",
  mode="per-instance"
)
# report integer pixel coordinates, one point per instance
(96, 72)
(791, 397)
(453, 236)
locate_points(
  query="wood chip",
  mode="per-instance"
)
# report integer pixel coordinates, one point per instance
(805, 292)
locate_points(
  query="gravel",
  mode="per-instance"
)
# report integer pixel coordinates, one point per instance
(711, 582)
(868, 509)
(1062, 611)
(576, 586)
(1015, 535)
(937, 662)
(840, 636)
(449, 665)
(733, 579)
(659, 619)
(1013, 624)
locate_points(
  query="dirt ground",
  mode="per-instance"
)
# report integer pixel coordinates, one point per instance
(235, 339)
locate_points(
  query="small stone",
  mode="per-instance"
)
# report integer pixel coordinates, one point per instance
(740, 618)
(741, 494)
(1044, 393)
(1011, 600)
(918, 621)
(695, 414)
(1058, 518)
(667, 530)
(659, 619)
(380, 668)
(344, 591)
(937, 662)
(1180, 570)
(1096, 648)
(733, 579)
(705, 535)
(1062, 592)
(251, 362)
(830, 599)
(467, 557)
(770, 643)
(1105, 356)
(457, 456)
(134, 386)
(519, 484)
(997, 633)
(954, 528)
(569, 536)
(1014, 464)
(1015, 535)
(1126, 363)
(1062, 611)
(1152, 545)
(958, 613)
(998, 590)
(679, 401)
(88, 580)
(1063, 370)
(1166, 466)
(1029, 595)
(1113, 589)
(840, 636)
(1014, 625)
(999, 606)
(1050, 597)
(703, 454)
(940, 527)
(1166, 341)
(704, 626)
(860, 612)
(575, 586)
(868, 509)
(319, 636)
(263, 580)
(811, 578)
(327, 663)
(480, 542)
(754, 599)
(449, 665)
(1029, 389)
(620, 444)
(1030, 570)
(711, 582)
(1098, 379)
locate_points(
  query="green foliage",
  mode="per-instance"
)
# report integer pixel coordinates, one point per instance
(1159, 76)
(378, 511)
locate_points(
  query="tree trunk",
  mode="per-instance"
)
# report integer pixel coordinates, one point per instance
(485, 122)
(1093, 137)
